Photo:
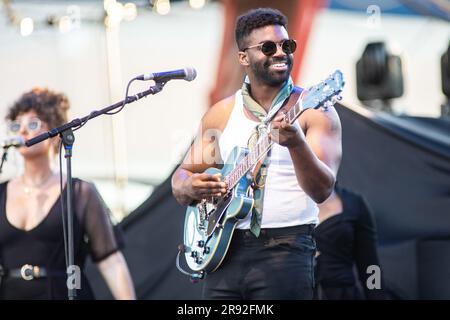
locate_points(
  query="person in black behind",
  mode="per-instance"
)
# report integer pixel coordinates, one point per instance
(345, 237)
(32, 255)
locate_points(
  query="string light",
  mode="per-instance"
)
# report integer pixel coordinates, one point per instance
(65, 24)
(162, 7)
(130, 11)
(115, 13)
(197, 4)
(114, 9)
(108, 3)
(26, 26)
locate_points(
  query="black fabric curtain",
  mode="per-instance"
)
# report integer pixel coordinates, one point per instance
(405, 176)
(402, 167)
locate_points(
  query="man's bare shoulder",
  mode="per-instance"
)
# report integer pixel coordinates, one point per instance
(326, 118)
(217, 116)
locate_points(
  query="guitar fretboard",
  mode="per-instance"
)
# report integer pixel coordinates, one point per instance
(260, 149)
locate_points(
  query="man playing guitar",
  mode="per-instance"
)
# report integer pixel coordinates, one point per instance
(271, 252)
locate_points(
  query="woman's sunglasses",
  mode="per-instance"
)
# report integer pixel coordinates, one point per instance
(31, 125)
(269, 48)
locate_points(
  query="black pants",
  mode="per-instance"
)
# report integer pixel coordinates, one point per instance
(337, 293)
(276, 265)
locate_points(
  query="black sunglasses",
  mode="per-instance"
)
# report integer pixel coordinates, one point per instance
(269, 47)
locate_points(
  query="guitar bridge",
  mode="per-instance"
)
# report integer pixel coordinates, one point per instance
(202, 210)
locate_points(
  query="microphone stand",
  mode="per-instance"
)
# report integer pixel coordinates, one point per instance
(66, 134)
(68, 139)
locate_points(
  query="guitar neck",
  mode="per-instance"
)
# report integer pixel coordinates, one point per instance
(260, 150)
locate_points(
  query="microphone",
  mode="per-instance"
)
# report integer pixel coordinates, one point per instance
(187, 74)
(15, 142)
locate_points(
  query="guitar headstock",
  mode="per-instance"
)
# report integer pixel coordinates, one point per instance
(325, 93)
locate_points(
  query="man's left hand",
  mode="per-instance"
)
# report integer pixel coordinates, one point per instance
(285, 134)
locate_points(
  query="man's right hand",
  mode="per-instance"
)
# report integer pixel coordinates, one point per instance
(204, 185)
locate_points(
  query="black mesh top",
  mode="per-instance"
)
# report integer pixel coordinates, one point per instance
(43, 245)
(346, 240)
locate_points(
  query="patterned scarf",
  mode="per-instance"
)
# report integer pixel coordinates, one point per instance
(259, 112)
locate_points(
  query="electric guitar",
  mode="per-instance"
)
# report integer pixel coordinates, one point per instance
(209, 224)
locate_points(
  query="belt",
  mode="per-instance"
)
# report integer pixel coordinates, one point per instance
(275, 232)
(28, 272)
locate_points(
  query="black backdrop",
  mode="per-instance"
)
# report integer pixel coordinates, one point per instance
(402, 167)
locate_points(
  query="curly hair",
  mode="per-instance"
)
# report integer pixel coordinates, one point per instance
(50, 106)
(254, 19)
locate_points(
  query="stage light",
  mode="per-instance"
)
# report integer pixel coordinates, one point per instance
(379, 76)
(445, 80)
(26, 26)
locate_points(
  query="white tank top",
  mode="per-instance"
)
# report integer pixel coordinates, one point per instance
(285, 203)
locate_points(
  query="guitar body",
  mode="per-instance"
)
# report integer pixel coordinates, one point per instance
(209, 227)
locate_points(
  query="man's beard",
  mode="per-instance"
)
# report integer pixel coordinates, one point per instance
(270, 77)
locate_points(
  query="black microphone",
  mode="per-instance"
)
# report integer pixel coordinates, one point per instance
(15, 142)
(187, 74)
